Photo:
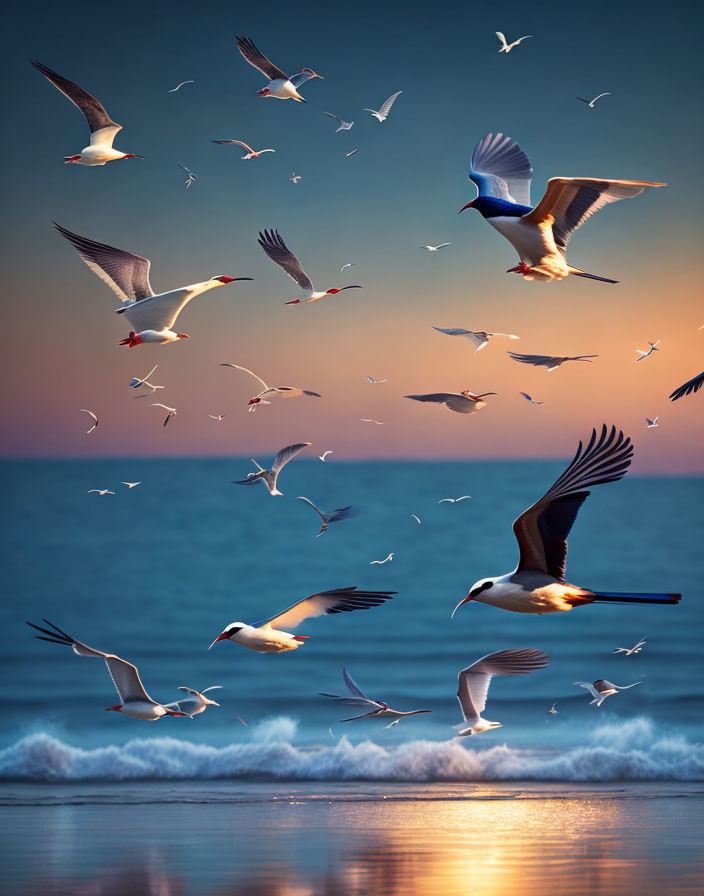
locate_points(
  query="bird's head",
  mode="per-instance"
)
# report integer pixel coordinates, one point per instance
(132, 155)
(228, 633)
(223, 280)
(201, 696)
(312, 74)
(264, 92)
(474, 592)
(254, 401)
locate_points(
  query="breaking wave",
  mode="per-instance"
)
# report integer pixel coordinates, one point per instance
(630, 751)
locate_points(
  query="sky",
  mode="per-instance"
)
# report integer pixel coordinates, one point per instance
(401, 190)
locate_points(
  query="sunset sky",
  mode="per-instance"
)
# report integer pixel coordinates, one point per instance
(401, 190)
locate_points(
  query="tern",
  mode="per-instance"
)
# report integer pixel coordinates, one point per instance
(434, 248)
(552, 362)
(102, 128)
(590, 103)
(348, 154)
(277, 250)
(151, 314)
(191, 179)
(283, 391)
(99, 491)
(386, 559)
(324, 455)
(538, 585)
(417, 519)
(195, 703)
(268, 636)
(502, 173)
(350, 264)
(375, 422)
(480, 338)
(96, 422)
(474, 681)
(330, 516)
(506, 47)
(383, 113)
(645, 354)
(552, 711)
(688, 388)
(179, 86)
(251, 153)
(377, 707)
(465, 402)
(652, 424)
(295, 178)
(138, 381)
(269, 477)
(172, 411)
(344, 125)
(280, 85)
(602, 689)
(454, 500)
(531, 400)
(217, 417)
(134, 700)
(374, 382)
(629, 651)
(131, 484)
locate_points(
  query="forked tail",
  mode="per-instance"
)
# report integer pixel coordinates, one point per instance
(591, 276)
(635, 597)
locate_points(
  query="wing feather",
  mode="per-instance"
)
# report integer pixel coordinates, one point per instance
(474, 681)
(255, 57)
(501, 169)
(277, 250)
(94, 111)
(339, 600)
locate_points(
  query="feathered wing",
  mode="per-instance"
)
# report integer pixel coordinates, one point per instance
(474, 681)
(688, 388)
(256, 58)
(501, 169)
(301, 77)
(542, 530)
(238, 142)
(277, 250)
(386, 107)
(245, 370)
(287, 454)
(339, 600)
(157, 312)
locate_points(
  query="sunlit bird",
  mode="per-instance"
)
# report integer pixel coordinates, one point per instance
(377, 708)
(386, 559)
(506, 47)
(295, 178)
(552, 362)
(283, 391)
(645, 354)
(652, 424)
(435, 248)
(196, 701)
(590, 103)
(280, 85)
(630, 651)
(172, 411)
(553, 711)
(330, 516)
(383, 112)
(179, 86)
(480, 338)
(344, 125)
(350, 264)
(191, 178)
(602, 689)
(250, 153)
(96, 422)
(137, 382)
(324, 455)
(217, 417)
(270, 477)
(373, 382)
(531, 400)
(465, 402)
(131, 485)
(99, 491)
(454, 500)
(375, 422)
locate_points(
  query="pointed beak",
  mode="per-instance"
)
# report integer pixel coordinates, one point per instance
(469, 205)
(211, 702)
(469, 597)
(221, 637)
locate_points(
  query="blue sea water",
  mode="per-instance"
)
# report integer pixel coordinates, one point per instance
(155, 573)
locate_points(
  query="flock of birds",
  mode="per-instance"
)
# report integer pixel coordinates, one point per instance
(502, 174)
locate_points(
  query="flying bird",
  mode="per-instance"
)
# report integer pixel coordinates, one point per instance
(465, 402)
(134, 700)
(274, 246)
(506, 47)
(386, 559)
(453, 500)
(251, 153)
(96, 422)
(538, 585)
(269, 477)
(688, 388)
(151, 314)
(376, 707)
(191, 179)
(102, 128)
(344, 125)
(195, 703)
(602, 689)
(474, 681)
(552, 362)
(330, 516)
(295, 178)
(552, 711)
(172, 411)
(179, 86)
(136, 382)
(217, 417)
(324, 454)
(480, 338)
(374, 382)
(434, 248)
(590, 103)
(375, 422)
(629, 651)
(131, 484)
(348, 154)
(280, 85)
(652, 424)
(417, 519)
(268, 636)
(502, 173)
(99, 491)
(283, 391)
(644, 354)
(383, 113)
(350, 264)
(528, 398)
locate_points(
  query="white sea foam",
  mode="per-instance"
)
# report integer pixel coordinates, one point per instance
(630, 751)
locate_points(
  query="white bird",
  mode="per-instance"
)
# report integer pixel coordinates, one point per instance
(387, 559)
(506, 47)
(217, 417)
(350, 264)
(474, 681)
(295, 178)
(131, 484)
(374, 382)
(602, 689)
(434, 248)
(652, 424)
(330, 516)
(99, 491)
(134, 700)
(278, 252)
(102, 128)
(268, 636)
(137, 381)
(629, 651)
(269, 477)
(502, 173)
(383, 113)
(552, 711)
(280, 85)
(344, 125)
(590, 103)
(179, 86)
(172, 411)
(348, 154)
(195, 703)
(465, 402)
(480, 338)
(283, 391)
(653, 348)
(151, 314)
(251, 153)
(531, 400)
(192, 178)
(370, 420)
(454, 500)
(324, 454)
(552, 362)
(96, 422)
(417, 519)
(377, 707)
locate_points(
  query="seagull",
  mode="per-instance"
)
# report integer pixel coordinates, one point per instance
(502, 173)
(151, 314)
(131, 484)
(590, 103)
(348, 154)
(344, 125)
(283, 391)
(688, 388)
(374, 382)
(172, 411)
(480, 338)
(295, 178)
(416, 519)
(653, 348)
(454, 500)
(331, 516)
(96, 422)
(434, 248)
(350, 264)
(179, 86)
(280, 85)
(324, 454)
(251, 153)
(217, 417)
(268, 636)
(652, 424)
(370, 420)
(602, 689)
(552, 362)
(383, 113)
(528, 398)
(102, 129)
(552, 711)
(137, 381)
(278, 251)
(196, 701)
(505, 47)
(99, 491)
(387, 559)
(538, 585)
(377, 707)
(269, 477)
(474, 681)
(134, 700)
(191, 176)
(465, 402)
(629, 651)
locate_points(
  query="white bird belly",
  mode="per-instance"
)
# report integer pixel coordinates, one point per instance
(99, 154)
(140, 709)
(266, 640)
(283, 90)
(550, 598)
(535, 245)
